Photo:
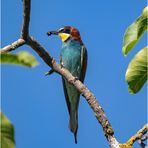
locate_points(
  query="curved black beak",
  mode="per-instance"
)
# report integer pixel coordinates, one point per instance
(52, 33)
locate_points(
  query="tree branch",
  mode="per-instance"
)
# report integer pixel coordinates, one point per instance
(26, 20)
(13, 46)
(25, 29)
(136, 137)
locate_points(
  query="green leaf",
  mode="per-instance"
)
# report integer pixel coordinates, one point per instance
(7, 133)
(22, 58)
(136, 74)
(134, 32)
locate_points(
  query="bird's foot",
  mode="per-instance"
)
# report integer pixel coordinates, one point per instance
(75, 79)
(62, 65)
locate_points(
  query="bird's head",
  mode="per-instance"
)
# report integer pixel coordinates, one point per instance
(66, 33)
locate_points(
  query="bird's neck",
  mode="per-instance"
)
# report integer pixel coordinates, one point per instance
(72, 42)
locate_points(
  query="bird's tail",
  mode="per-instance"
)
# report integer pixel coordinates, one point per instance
(73, 124)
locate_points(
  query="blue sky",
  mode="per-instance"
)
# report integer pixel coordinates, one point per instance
(36, 105)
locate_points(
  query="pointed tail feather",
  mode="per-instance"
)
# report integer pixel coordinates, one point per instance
(75, 136)
(73, 124)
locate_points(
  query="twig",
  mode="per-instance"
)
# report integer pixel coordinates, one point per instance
(139, 134)
(13, 46)
(136, 137)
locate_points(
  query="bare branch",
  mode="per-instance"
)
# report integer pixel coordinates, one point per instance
(12, 46)
(25, 29)
(26, 20)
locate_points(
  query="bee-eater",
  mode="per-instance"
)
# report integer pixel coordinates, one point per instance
(74, 58)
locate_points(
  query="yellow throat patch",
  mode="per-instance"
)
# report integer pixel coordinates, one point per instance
(64, 36)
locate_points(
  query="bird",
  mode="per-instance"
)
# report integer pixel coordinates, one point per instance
(73, 57)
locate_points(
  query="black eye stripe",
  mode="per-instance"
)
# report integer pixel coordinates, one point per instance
(67, 31)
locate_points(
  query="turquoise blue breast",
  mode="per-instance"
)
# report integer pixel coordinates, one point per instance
(71, 57)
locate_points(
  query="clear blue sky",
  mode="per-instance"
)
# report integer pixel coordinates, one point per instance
(36, 105)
